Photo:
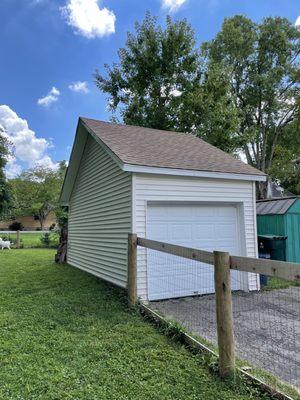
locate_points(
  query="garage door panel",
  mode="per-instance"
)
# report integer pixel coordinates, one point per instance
(156, 212)
(204, 211)
(180, 284)
(225, 230)
(177, 212)
(226, 211)
(181, 232)
(203, 231)
(212, 227)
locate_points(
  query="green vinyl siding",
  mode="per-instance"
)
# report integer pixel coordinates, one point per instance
(100, 216)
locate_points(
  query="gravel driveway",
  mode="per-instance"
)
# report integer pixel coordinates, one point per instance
(266, 324)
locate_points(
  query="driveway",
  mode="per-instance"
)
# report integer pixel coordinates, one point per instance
(266, 325)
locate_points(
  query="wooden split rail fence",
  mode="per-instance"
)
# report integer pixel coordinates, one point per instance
(222, 262)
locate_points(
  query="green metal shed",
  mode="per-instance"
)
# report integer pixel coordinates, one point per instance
(281, 216)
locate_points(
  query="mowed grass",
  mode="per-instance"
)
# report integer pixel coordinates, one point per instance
(66, 335)
(29, 240)
(277, 283)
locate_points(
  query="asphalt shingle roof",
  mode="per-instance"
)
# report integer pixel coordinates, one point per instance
(157, 148)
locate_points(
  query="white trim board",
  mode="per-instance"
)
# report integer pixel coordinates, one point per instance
(192, 173)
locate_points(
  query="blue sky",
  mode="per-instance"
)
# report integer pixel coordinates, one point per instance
(51, 48)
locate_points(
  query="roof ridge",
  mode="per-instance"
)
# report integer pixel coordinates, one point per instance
(148, 128)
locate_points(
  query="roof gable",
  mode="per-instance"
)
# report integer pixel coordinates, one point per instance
(79, 144)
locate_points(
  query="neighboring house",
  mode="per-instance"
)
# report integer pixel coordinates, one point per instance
(275, 190)
(29, 222)
(165, 186)
(281, 217)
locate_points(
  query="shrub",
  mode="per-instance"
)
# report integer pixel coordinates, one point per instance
(5, 237)
(49, 239)
(45, 239)
(62, 217)
(16, 226)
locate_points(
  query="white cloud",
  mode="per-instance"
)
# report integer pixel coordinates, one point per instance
(29, 150)
(297, 23)
(51, 97)
(47, 162)
(88, 19)
(173, 5)
(12, 169)
(79, 87)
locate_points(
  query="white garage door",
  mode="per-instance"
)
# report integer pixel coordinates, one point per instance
(204, 227)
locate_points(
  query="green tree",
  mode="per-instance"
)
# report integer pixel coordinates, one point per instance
(36, 191)
(162, 82)
(262, 63)
(5, 192)
(286, 163)
(212, 113)
(157, 70)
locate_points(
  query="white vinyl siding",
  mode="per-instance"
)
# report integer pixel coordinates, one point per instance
(100, 214)
(153, 188)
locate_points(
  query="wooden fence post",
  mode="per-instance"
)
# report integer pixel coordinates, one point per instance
(132, 269)
(18, 241)
(224, 313)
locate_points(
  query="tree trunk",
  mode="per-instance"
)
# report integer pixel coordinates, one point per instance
(42, 223)
(262, 190)
(61, 255)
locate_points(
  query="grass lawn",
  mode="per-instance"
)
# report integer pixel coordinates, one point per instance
(66, 335)
(30, 240)
(277, 283)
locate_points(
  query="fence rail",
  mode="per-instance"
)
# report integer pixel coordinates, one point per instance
(228, 312)
(272, 268)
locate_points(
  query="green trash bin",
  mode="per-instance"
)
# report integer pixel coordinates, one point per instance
(271, 247)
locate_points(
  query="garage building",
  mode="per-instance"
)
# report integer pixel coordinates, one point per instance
(166, 186)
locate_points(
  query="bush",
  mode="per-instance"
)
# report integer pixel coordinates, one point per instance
(62, 217)
(45, 239)
(16, 226)
(49, 239)
(5, 237)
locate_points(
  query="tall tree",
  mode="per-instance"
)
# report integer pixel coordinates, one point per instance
(36, 191)
(161, 82)
(286, 164)
(5, 192)
(262, 62)
(157, 71)
(212, 113)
